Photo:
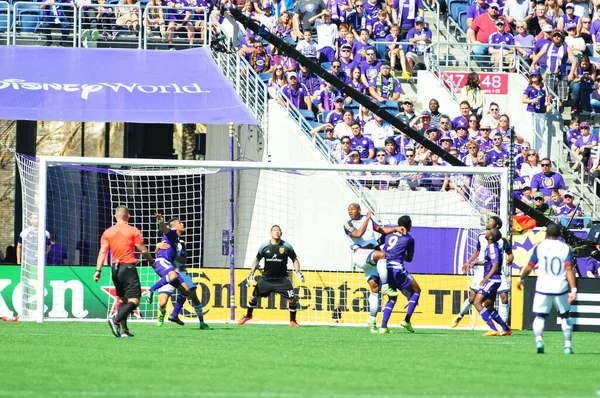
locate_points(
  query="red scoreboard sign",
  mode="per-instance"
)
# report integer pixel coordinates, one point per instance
(491, 83)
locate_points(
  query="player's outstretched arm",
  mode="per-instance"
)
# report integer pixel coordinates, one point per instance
(162, 226)
(250, 279)
(469, 264)
(360, 232)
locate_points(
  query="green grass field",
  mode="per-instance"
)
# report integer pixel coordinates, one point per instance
(85, 359)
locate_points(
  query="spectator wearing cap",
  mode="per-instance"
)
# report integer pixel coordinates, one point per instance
(541, 43)
(446, 142)
(378, 130)
(573, 40)
(524, 41)
(465, 113)
(332, 142)
(581, 80)
(327, 98)
(304, 10)
(595, 97)
(568, 17)
(407, 114)
(484, 140)
(395, 50)
(296, 93)
(434, 111)
(535, 98)
(420, 37)
(346, 59)
(421, 123)
(541, 206)
(461, 139)
(384, 86)
(476, 9)
(361, 47)
(364, 145)
(327, 33)
(405, 12)
(266, 17)
(310, 81)
(547, 180)
(558, 54)
(569, 209)
(433, 133)
(369, 68)
(482, 27)
(337, 114)
(583, 146)
(517, 10)
(502, 56)
(497, 154)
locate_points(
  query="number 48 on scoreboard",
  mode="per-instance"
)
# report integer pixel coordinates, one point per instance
(491, 83)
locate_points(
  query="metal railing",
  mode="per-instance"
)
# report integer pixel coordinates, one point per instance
(43, 24)
(5, 21)
(109, 23)
(175, 32)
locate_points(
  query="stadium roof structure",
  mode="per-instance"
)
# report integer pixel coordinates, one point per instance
(116, 85)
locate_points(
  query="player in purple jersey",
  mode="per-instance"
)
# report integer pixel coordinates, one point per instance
(165, 259)
(492, 269)
(400, 247)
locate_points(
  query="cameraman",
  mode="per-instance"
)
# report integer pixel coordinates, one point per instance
(581, 80)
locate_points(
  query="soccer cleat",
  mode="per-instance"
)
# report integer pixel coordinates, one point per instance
(204, 326)
(176, 320)
(406, 325)
(506, 333)
(115, 328)
(125, 334)
(294, 324)
(244, 319)
(540, 347)
(568, 351)
(148, 295)
(491, 333)
(161, 320)
(386, 290)
(385, 331)
(456, 321)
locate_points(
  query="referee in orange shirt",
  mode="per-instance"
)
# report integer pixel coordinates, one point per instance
(122, 239)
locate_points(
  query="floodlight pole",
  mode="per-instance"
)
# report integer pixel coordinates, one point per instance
(231, 223)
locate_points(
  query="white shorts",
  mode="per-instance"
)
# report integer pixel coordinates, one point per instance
(170, 289)
(363, 259)
(542, 303)
(476, 278)
(504, 286)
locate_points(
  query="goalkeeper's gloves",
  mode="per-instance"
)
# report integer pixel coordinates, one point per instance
(300, 276)
(250, 280)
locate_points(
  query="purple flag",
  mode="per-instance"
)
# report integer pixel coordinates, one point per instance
(115, 85)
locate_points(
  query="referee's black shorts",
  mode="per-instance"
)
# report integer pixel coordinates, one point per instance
(265, 286)
(127, 281)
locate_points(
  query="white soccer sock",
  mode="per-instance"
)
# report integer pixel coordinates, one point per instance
(373, 304)
(503, 311)
(567, 329)
(465, 308)
(382, 271)
(538, 327)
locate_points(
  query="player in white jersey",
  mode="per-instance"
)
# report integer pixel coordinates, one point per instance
(363, 232)
(478, 255)
(555, 276)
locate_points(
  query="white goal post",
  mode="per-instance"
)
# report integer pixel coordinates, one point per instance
(229, 208)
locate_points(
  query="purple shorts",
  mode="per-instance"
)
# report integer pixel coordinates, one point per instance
(400, 278)
(163, 267)
(326, 54)
(490, 289)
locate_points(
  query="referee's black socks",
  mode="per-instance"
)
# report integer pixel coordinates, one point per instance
(250, 309)
(124, 311)
(293, 312)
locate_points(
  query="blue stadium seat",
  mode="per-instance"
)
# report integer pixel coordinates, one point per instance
(590, 49)
(265, 76)
(28, 17)
(460, 10)
(462, 21)
(391, 106)
(586, 96)
(321, 134)
(308, 115)
(324, 115)
(453, 7)
(5, 24)
(326, 65)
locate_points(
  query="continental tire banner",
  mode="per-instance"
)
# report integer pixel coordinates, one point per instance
(325, 297)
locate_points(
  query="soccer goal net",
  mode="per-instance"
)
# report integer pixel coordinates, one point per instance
(228, 209)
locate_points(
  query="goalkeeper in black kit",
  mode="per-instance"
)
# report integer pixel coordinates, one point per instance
(276, 253)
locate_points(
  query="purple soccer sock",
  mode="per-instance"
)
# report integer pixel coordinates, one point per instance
(178, 305)
(387, 312)
(161, 282)
(412, 303)
(485, 315)
(498, 319)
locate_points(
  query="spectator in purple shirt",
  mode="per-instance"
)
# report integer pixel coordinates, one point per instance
(369, 68)
(504, 54)
(346, 59)
(568, 16)
(380, 28)
(592, 266)
(310, 80)
(476, 9)
(259, 60)
(372, 7)
(465, 112)
(395, 51)
(595, 32)
(53, 17)
(497, 154)
(569, 209)
(337, 114)
(547, 180)
(336, 70)
(295, 92)
(179, 16)
(360, 46)
(405, 12)
(524, 39)
(357, 18)
(583, 146)
(360, 143)
(420, 37)
(327, 97)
